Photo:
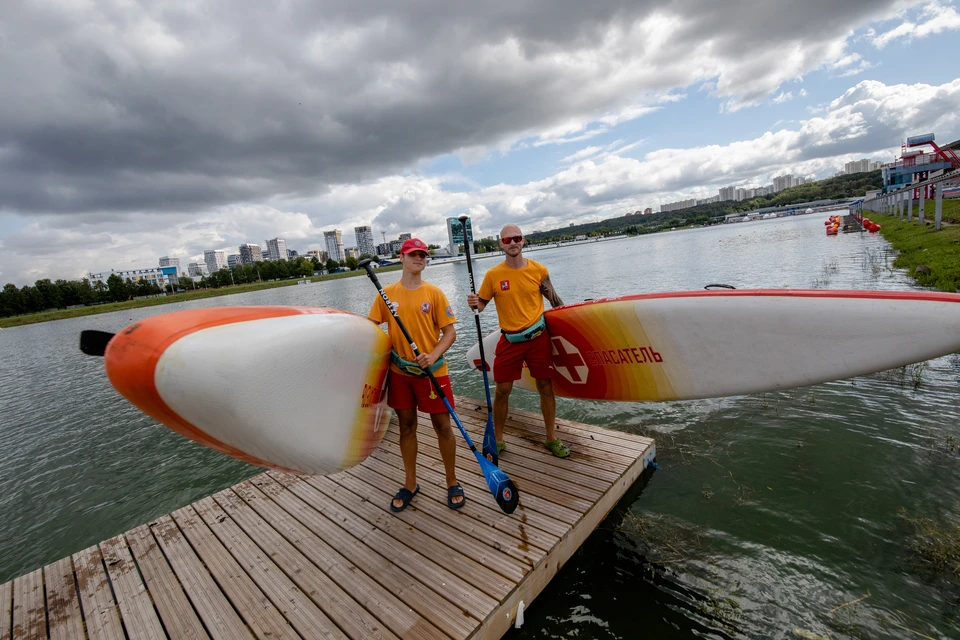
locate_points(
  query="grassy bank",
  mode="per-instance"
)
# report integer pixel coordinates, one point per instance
(935, 253)
(197, 294)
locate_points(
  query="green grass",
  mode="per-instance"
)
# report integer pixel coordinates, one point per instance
(46, 316)
(918, 245)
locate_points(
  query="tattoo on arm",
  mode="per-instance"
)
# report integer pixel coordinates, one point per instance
(546, 288)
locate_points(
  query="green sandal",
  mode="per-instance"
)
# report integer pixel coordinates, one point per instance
(557, 448)
(500, 447)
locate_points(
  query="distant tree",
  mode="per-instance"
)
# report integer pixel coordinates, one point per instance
(352, 263)
(316, 263)
(118, 288)
(50, 293)
(186, 282)
(332, 265)
(367, 256)
(11, 301)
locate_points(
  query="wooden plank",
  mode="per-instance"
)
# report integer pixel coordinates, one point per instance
(500, 567)
(530, 426)
(284, 507)
(63, 604)
(29, 610)
(96, 599)
(351, 593)
(487, 513)
(500, 620)
(252, 604)
(136, 608)
(176, 614)
(410, 558)
(218, 615)
(604, 434)
(305, 616)
(6, 610)
(589, 461)
(475, 518)
(539, 529)
(461, 564)
(351, 598)
(433, 511)
(529, 500)
(617, 455)
(287, 572)
(571, 506)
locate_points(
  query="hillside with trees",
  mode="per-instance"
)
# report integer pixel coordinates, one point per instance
(848, 186)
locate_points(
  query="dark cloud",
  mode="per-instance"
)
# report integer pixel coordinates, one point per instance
(144, 106)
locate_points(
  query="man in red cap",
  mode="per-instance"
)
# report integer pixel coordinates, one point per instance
(429, 318)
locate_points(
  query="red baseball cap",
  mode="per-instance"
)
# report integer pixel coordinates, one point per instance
(414, 244)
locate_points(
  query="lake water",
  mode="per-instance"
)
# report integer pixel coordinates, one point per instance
(767, 513)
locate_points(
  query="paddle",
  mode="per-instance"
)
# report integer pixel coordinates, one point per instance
(93, 342)
(489, 436)
(501, 486)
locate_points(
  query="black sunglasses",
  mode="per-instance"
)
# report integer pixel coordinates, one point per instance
(509, 239)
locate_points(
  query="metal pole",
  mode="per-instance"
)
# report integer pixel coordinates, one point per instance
(938, 209)
(922, 199)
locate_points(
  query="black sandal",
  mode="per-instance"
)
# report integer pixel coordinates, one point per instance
(404, 496)
(453, 492)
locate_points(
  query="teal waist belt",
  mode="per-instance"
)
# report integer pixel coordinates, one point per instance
(529, 333)
(412, 367)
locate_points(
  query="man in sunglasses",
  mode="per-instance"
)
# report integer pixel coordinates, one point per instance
(429, 318)
(519, 286)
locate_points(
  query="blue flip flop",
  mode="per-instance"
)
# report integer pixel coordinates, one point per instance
(404, 496)
(453, 492)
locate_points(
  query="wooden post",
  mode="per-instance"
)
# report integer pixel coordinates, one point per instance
(938, 209)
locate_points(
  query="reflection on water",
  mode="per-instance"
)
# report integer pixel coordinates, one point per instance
(769, 511)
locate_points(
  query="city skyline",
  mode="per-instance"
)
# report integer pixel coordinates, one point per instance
(121, 148)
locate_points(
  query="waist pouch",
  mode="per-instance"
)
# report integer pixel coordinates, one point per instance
(412, 367)
(531, 332)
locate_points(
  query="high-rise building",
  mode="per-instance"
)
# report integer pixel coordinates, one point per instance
(197, 270)
(233, 260)
(334, 240)
(365, 240)
(783, 182)
(277, 249)
(351, 252)
(455, 236)
(215, 260)
(319, 254)
(166, 261)
(728, 193)
(403, 237)
(250, 253)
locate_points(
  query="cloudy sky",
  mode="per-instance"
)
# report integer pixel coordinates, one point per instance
(132, 129)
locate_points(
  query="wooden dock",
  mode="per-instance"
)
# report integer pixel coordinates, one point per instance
(281, 556)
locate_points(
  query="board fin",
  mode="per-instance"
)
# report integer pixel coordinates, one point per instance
(93, 342)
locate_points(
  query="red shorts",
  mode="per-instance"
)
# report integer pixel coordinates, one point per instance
(417, 392)
(510, 356)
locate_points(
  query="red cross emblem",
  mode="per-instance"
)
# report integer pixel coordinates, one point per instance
(504, 285)
(568, 361)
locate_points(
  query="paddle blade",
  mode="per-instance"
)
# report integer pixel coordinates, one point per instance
(501, 486)
(93, 342)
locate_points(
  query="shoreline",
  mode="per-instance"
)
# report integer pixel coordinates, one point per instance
(200, 294)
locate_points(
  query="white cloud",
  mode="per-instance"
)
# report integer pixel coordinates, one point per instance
(867, 120)
(783, 97)
(933, 18)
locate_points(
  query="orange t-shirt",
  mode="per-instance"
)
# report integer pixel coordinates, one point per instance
(516, 292)
(424, 311)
